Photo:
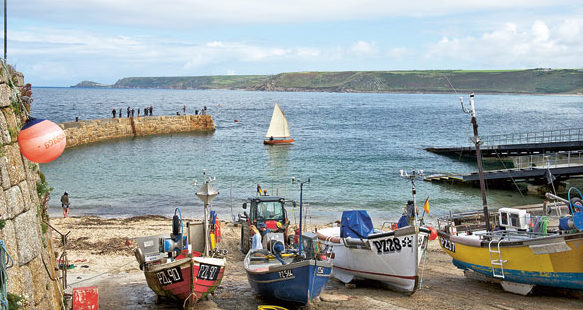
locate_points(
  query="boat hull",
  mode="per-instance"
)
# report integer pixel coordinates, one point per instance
(173, 280)
(554, 261)
(379, 258)
(278, 141)
(296, 282)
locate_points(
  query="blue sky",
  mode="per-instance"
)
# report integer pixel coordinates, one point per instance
(62, 42)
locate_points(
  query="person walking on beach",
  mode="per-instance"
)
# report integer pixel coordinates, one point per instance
(113, 112)
(65, 204)
(128, 111)
(184, 109)
(151, 109)
(120, 112)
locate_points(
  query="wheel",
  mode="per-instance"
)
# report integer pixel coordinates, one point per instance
(245, 239)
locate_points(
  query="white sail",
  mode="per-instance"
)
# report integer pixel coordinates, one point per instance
(279, 127)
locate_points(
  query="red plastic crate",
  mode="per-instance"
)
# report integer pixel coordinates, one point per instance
(85, 298)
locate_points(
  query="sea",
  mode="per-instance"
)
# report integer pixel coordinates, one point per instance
(348, 152)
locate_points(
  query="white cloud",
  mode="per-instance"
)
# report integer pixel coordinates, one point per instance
(361, 48)
(515, 46)
(184, 14)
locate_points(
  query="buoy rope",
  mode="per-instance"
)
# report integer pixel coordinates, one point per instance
(5, 263)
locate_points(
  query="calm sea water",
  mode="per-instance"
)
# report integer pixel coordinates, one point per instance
(351, 146)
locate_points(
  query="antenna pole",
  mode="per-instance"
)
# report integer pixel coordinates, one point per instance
(478, 142)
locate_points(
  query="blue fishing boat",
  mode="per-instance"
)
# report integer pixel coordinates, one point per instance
(289, 274)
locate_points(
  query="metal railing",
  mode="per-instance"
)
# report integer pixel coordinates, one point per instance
(548, 136)
(563, 159)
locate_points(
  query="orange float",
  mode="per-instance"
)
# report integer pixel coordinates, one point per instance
(41, 141)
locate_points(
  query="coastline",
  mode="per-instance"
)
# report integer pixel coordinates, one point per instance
(97, 249)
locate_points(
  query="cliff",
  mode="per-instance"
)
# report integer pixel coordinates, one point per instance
(23, 218)
(533, 81)
(90, 131)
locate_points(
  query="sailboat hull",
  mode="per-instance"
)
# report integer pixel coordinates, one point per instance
(548, 261)
(278, 142)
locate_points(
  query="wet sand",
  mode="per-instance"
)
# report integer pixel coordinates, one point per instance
(98, 249)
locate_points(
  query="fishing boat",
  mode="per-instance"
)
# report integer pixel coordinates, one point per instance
(293, 275)
(185, 267)
(391, 256)
(518, 248)
(278, 131)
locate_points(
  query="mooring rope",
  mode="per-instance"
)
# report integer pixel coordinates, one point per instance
(5, 263)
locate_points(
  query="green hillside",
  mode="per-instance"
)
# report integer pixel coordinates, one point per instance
(533, 81)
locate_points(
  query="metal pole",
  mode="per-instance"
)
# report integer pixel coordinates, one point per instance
(300, 239)
(5, 30)
(477, 142)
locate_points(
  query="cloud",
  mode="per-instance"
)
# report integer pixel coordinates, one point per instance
(362, 48)
(542, 44)
(188, 14)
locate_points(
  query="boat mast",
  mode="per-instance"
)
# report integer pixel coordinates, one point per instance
(478, 142)
(206, 193)
(301, 194)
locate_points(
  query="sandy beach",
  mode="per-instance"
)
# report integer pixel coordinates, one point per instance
(101, 250)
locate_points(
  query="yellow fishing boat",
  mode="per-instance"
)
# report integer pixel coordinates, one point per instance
(519, 248)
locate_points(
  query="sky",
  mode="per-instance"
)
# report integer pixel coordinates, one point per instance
(63, 42)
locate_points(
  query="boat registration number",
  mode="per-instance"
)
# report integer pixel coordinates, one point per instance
(392, 245)
(286, 273)
(448, 244)
(169, 276)
(208, 272)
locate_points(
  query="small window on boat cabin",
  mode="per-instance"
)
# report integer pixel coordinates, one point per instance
(514, 220)
(503, 218)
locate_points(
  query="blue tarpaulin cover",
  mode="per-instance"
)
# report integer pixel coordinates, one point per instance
(355, 224)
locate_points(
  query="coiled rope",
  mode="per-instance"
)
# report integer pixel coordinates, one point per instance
(5, 263)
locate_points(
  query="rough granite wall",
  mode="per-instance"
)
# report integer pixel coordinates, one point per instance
(21, 210)
(90, 131)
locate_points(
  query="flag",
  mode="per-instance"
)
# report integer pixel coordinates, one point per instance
(426, 205)
(259, 191)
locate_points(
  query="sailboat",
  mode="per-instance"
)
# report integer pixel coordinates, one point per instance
(278, 131)
(519, 248)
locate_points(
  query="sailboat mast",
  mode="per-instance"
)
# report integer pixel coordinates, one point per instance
(478, 142)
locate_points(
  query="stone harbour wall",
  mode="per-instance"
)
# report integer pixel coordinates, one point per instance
(90, 131)
(23, 219)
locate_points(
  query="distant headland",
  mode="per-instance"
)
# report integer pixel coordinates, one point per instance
(531, 81)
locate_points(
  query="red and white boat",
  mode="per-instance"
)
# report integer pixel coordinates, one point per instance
(186, 266)
(178, 280)
(278, 131)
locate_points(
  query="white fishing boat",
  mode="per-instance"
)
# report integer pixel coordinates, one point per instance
(392, 256)
(278, 131)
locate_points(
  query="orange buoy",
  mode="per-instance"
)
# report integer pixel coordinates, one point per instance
(433, 233)
(41, 141)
